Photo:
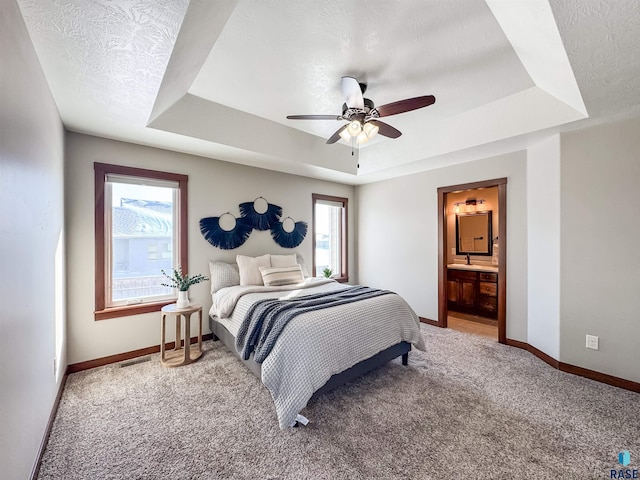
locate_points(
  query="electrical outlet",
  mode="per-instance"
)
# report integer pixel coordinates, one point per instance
(453, 250)
(592, 342)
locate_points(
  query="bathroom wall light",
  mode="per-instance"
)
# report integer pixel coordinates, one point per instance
(470, 205)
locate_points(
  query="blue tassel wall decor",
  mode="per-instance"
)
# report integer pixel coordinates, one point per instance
(260, 221)
(225, 239)
(289, 239)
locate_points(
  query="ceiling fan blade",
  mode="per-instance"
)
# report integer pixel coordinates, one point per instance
(386, 129)
(407, 105)
(352, 93)
(314, 117)
(336, 136)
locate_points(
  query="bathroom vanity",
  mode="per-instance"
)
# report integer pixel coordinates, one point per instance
(473, 289)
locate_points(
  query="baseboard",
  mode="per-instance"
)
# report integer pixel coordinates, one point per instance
(538, 353)
(99, 362)
(428, 321)
(47, 431)
(583, 372)
(601, 377)
(565, 367)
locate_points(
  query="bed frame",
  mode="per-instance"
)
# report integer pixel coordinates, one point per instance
(379, 359)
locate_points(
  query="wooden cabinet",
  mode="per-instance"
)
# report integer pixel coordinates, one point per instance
(488, 294)
(473, 292)
(462, 288)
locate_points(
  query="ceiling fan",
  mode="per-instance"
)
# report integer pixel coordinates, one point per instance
(362, 114)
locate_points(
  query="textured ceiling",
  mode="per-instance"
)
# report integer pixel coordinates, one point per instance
(291, 58)
(218, 78)
(104, 56)
(602, 40)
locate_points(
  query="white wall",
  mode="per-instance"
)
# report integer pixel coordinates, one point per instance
(543, 218)
(600, 254)
(398, 234)
(214, 188)
(31, 248)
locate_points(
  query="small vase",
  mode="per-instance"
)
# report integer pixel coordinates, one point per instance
(183, 299)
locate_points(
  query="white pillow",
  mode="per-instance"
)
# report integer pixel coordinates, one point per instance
(300, 261)
(275, 276)
(249, 268)
(283, 260)
(288, 261)
(223, 274)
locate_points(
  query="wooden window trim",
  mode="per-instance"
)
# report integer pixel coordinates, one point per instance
(101, 170)
(344, 267)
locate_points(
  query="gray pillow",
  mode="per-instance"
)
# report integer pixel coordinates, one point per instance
(223, 275)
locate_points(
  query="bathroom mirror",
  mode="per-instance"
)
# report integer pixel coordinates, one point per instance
(473, 233)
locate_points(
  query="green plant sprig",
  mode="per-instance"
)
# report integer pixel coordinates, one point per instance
(327, 272)
(182, 281)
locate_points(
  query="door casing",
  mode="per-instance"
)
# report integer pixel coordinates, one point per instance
(501, 183)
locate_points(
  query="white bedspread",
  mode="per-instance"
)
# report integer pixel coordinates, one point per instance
(318, 344)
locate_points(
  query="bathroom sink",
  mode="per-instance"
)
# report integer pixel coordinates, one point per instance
(475, 268)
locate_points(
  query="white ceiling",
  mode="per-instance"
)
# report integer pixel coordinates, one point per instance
(218, 79)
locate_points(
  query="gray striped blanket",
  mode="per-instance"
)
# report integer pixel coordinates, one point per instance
(266, 319)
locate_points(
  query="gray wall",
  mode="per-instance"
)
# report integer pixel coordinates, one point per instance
(398, 234)
(600, 254)
(572, 228)
(31, 248)
(543, 245)
(214, 188)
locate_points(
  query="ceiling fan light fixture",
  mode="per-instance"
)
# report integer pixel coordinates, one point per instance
(345, 135)
(354, 128)
(362, 138)
(370, 130)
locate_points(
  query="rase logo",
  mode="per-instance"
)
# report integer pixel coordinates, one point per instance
(624, 459)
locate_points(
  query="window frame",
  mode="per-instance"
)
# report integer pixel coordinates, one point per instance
(344, 259)
(101, 170)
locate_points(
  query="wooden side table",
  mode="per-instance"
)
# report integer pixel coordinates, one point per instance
(181, 355)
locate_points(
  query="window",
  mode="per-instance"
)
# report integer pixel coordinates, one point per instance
(152, 251)
(167, 251)
(329, 236)
(140, 228)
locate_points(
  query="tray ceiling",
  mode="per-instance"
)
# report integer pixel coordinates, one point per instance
(217, 79)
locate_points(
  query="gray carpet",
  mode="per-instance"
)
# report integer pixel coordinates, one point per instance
(467, 408)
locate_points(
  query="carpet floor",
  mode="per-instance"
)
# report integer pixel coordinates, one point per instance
(467, 408)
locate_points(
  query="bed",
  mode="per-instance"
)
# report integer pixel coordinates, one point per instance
(320, 348)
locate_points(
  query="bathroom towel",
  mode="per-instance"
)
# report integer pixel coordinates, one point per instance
(467, 244)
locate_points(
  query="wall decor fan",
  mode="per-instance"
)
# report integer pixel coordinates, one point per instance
(256, 215)
(362, 114)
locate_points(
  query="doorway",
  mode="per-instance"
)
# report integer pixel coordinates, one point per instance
(445, 244)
